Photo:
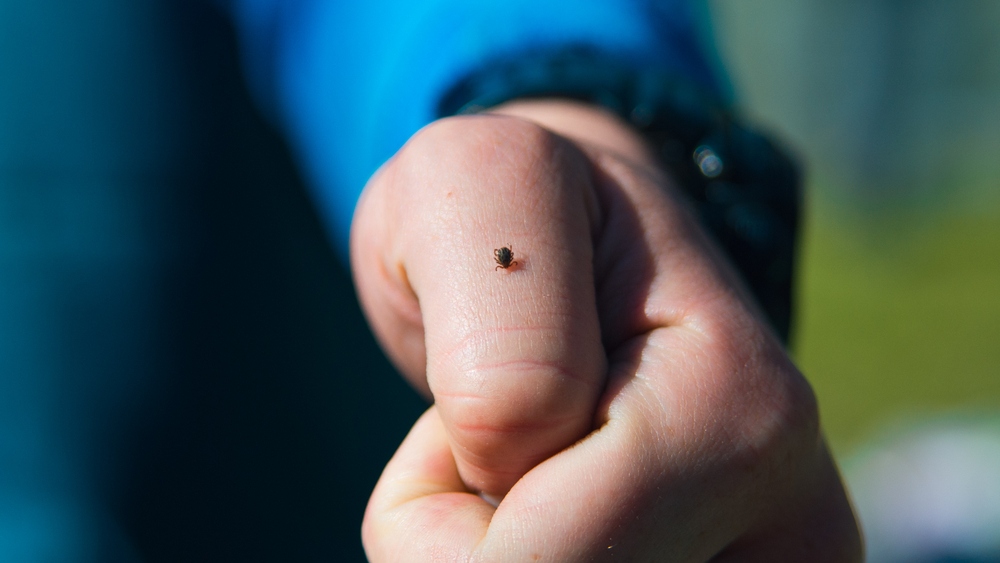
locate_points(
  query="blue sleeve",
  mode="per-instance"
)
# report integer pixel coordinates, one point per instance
(350, 82)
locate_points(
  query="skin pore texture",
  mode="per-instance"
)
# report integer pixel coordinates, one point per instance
(615, 395)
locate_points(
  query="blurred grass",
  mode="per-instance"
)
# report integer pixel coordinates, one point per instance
(899, 315)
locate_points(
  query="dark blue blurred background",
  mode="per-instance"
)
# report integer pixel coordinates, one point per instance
(180, 350)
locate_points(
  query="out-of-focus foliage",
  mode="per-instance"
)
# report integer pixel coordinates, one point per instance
(893, 107)
(899, 315)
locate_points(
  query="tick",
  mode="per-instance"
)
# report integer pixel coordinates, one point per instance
(504, 257)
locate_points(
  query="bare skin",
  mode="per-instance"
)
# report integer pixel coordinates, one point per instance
(616, 396)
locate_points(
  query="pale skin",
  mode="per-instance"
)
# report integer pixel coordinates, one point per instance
(616, 396)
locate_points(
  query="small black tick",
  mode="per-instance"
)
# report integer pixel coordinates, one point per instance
(504, 257)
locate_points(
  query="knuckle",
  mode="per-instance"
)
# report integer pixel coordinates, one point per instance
(522, 409)
(525, 392)
(464, 144)
(773, 410)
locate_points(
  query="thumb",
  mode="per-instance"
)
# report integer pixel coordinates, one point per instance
(512, 356)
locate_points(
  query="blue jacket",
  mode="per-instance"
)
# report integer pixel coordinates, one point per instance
(350, 82)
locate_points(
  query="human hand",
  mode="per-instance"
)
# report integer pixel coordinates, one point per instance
(616, 389)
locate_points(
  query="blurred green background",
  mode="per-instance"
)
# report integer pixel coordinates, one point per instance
(894, 107)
